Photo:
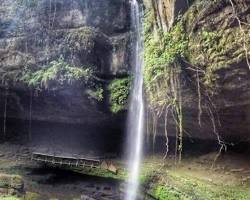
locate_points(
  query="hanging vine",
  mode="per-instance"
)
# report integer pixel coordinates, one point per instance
(201, 51)
(242, 32)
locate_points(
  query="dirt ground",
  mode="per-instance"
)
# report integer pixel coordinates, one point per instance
(196, 178)
(200, 177)
(45, 183)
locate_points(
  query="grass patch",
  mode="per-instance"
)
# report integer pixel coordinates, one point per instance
(180, 184)
(10, 198)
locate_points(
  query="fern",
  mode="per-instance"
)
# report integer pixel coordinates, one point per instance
(57, 73)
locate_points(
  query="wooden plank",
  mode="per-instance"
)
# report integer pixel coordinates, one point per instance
(64, 163)
(73, 161)
(66, 157)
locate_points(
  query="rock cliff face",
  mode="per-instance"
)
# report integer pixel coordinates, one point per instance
(83, 33)
(166, 11)
(96, 34)
(217, 48)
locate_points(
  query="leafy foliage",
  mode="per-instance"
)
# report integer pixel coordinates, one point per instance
(57, 73)
(161, 52)
(162, 73)
(119, 93)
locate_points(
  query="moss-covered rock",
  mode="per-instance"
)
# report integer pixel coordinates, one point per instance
(11, 184)
(202, 61)
(218, 44)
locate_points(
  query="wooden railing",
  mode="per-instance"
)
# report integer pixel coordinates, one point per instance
(80, 162)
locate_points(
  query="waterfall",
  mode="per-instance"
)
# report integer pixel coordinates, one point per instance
(5, 113)
(136, 109)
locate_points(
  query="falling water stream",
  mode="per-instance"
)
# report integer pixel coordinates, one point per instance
(136, 109)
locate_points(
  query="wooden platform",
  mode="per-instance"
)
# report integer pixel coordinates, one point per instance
(79, 162)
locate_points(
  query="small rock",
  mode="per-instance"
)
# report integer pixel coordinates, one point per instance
(113, 169)
(104, 165)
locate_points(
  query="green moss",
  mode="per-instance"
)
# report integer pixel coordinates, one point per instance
(166, 192)
(119, 92)
(201, 189)
(182, 184)
(216, 50)
(31, 196)
(99, 172)
(213, 48)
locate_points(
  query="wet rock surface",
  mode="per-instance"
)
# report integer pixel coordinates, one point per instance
(85, 33)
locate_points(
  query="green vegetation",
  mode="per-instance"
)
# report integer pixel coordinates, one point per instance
(57, 73)
(31, 196)
(119, 93)
(181, 183)
(216, 50)
(201, 192)
(193, 188)
(194, 50)
(27, 196)
(121, 175)
(10, 198)
(96, 93)
(161, 54)
(164, 49)
(166, 192)
(162, 74)
(204, 46)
